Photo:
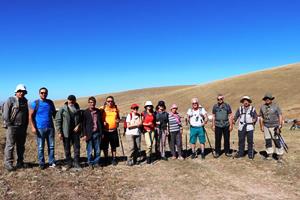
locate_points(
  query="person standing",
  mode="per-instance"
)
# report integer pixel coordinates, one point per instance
(222, 125)
(175, 128)
(15, 116)
(92, 132)
(133, 134)
(247, 117)
(162, 124)
(271, 118)
(148, 120)
(68, 122)
(197, 118)
(111, 119)
(40, 114)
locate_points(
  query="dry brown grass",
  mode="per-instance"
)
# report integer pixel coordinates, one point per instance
(283, 82)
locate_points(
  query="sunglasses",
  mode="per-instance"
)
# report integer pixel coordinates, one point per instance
(194, 103)
(109, 101)
(219, 99)
(43, 93)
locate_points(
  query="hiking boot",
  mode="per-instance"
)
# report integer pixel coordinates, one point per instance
(21, 165)
(203, 156)
(77, 165)
(42, 167)
(238, 156)
(148, 160)
(164, 158)
(269, 157)
(193, 155)
(114, 162)
(9, 168)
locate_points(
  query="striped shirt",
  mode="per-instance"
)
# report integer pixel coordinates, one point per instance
(174, 122)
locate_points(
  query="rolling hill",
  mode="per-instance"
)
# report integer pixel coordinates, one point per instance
(282, 82)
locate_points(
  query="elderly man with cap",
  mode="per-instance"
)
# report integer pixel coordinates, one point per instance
(15, 116)
(197, 118)
(133, 133)
(222, 125)
(68, 122)
(247, 117)
(271, 118)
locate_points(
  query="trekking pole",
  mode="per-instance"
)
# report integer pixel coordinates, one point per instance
(121, 142)
(212, 150)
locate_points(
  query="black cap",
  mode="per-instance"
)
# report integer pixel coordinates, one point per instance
(71, 98)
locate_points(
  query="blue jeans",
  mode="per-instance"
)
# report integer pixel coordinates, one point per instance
(48, 135)
(93, 143)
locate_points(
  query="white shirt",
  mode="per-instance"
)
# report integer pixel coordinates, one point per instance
(196, 116)
(133, 120)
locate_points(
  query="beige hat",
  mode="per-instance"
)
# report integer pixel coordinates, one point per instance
(246, 98)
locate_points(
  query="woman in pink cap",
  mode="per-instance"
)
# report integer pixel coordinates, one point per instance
(175, 129)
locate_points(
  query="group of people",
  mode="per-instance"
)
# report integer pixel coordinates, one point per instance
(98, 127)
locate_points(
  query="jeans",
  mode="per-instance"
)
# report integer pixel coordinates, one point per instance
(176, 141)
(48, 135)
(242, 137)
(93, 143)
(218, 137)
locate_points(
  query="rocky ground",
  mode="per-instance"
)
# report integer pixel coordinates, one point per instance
(222, 178)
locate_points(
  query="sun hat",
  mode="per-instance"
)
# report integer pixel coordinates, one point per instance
(195, 100)
(246, 98)
(173, 106)
(268, 96)
(21, 87)
(148, 103)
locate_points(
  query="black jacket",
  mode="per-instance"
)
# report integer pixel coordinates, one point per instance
(87, 123)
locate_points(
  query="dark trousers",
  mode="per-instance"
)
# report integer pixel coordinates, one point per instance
(15, 136)
(73, 139)
(218, 137)
(176, 141)
(242, 137)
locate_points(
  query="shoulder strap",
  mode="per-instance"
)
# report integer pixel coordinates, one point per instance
(37, 103)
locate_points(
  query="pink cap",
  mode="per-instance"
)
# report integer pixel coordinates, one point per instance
(174, 106)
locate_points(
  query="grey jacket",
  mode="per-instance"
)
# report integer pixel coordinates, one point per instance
(64, 122)
(15, 112)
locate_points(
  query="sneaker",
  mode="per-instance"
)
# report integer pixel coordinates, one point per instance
(53, 165)
(238, 156)
(114, 162)
(180, 158)
(9, 168)
(130, 163)
(216, 155)
(228, 154)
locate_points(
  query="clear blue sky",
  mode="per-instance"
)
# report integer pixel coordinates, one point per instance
(93, 47)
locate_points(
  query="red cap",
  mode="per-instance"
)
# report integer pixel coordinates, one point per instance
(134, 106)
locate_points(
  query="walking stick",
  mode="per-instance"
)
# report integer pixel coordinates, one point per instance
(212, 150)
(121, 142)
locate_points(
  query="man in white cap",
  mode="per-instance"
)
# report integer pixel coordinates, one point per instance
(197, 118)
(15, 116)
(247, 117)
(271, 118)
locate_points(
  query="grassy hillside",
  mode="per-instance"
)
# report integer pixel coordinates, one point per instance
(282, 82)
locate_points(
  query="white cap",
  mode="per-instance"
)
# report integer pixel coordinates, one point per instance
(148, 103)
(195, 100)
(21, 87)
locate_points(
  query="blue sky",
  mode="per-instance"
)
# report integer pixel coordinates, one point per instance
(93, 47)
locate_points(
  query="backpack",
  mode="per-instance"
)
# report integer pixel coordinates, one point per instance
(125, 123)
